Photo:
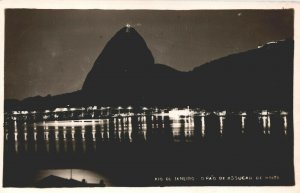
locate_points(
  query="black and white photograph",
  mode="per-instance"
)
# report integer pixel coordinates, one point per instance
(148, 98)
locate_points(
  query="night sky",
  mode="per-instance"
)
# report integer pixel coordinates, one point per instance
(52, 51)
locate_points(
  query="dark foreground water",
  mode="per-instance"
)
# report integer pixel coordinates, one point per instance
(153, 150)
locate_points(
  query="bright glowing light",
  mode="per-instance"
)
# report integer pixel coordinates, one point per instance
(46, 135)
(56, 134)
(175, 113)
(264, 112)
(60, 109)
(65, 134)
(243, 114)
(202, 126)
(285, 122)
(83, 133)
(94, 134)
(128, 27)
(74, 123)
(16, 136)
(243, 122)
(73, 133)
(203, 113)
(221, 124)
(264, 122)
(220, 113)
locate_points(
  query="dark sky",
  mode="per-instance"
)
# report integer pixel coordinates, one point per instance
(52, 51)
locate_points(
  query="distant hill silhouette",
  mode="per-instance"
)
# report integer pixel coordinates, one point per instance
(56, 181)
(261, 77)
(125, 74)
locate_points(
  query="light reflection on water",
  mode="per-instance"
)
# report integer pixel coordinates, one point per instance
(87, 134)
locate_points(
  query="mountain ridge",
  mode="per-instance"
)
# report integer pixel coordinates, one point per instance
(125, 74)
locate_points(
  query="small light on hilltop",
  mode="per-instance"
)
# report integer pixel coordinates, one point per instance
(128, 26)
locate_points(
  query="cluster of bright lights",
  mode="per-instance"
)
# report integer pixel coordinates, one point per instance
(20, 112)
(264, 113)
(60, 109)
(283, 113)
(243, 113)
(220, 113)
(177, 113)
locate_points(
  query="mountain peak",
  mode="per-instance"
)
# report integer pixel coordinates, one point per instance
(128, 29)
(125, 52)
